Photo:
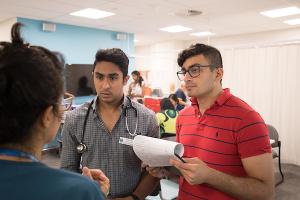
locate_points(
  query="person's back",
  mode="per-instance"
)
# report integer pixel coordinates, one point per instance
(36, 181)
(30, 115)
(167, 122)
(166, 118)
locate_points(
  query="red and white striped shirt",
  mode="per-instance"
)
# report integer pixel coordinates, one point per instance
(227, 132)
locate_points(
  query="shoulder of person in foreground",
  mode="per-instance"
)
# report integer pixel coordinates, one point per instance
(73, 186)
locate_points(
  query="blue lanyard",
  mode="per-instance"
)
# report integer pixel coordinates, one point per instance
(17, 153)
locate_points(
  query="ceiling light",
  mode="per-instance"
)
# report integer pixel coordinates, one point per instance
(92, 13)
(281, 12)
(135, 40)
(202, 34)
(292, 21)
(175, 29)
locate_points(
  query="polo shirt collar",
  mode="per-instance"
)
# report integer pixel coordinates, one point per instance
(220, 100)
(223, 97)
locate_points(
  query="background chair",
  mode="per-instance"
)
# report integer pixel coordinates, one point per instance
(273, 134)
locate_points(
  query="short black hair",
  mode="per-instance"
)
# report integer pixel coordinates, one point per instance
(114, 55)
(212, 54)
(165, 104)
(174, 97)
(30, 81)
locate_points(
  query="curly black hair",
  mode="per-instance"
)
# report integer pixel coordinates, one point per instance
(30, 81)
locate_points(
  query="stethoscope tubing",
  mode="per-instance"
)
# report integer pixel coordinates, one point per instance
(81, 147)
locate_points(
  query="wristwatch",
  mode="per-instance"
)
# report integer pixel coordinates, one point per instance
(134, 197)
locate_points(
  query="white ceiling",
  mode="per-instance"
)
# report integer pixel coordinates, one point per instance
(144, 18)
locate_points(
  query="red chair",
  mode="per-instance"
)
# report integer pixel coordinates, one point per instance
(152, 103)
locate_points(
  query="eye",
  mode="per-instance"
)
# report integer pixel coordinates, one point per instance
(194, 70)
(113, 77)
(99, 76)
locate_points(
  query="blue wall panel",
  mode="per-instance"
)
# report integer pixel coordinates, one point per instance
(78, 44)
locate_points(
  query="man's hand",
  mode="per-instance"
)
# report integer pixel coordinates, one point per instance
(98, 176)
(194, 171)
(158, 172)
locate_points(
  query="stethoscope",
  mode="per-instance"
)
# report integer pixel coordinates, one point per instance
(81, 147)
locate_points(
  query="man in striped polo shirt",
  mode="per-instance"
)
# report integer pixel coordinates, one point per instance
(227, 147)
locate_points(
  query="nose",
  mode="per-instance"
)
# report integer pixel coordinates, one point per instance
(187, 77)
(106, 83)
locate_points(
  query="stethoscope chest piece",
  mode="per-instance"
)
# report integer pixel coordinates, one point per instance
(81, 148)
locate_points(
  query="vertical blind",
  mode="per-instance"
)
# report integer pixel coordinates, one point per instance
(268, 79)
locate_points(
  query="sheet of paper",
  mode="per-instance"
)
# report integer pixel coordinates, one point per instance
(156, 152)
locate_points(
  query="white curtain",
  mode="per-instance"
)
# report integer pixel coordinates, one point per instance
(268, 79)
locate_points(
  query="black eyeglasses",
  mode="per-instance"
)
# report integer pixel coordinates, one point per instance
(193, 71)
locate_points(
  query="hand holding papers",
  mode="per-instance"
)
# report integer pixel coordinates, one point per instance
(153, 151)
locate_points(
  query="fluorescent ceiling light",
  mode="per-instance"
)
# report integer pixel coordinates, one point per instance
(293, 21)
(281, 12)
(175, 29)
(202, 34)
(92, 13)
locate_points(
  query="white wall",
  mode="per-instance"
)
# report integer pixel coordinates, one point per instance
(268, 79)
(5, 27)
(161, 60)
(268, 38)
(260, 68)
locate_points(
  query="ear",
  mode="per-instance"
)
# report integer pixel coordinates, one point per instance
(92, 75)
(47, 117)
(219, 74)
(125, 80)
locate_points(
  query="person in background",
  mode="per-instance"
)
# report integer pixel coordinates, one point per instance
(31, 92)
(180, 93)
(166, 118)
(136, 88)
(83, 88)
(109, 118)
(227, 151)
(175, 101)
